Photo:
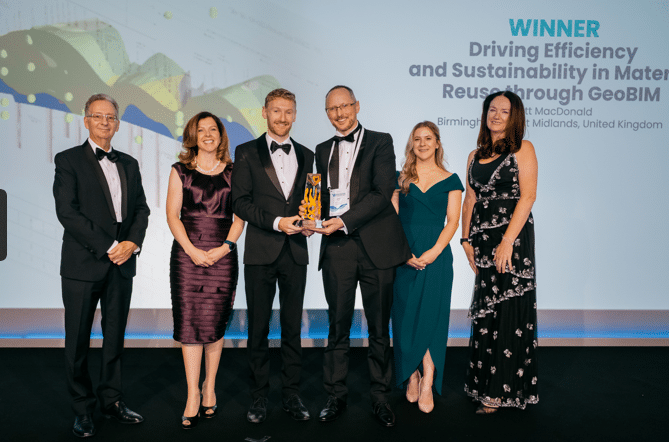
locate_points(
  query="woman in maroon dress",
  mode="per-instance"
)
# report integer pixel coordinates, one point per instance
(203, 264)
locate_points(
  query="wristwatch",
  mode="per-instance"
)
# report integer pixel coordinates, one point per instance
(464, 240)
(230, 244)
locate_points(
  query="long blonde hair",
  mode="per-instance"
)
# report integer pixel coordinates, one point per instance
(409, 174)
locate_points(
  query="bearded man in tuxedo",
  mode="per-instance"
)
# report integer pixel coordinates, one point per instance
(362, 243)
(268, 180)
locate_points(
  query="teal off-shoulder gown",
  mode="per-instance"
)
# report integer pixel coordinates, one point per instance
(422, 298)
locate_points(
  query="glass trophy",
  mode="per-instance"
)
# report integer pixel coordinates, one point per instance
(312, 197)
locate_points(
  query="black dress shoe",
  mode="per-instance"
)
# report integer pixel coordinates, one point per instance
(333, 409)
(258, 411)
(384, 414)
(188, 423)
(294, 406)
(123, 414)
(84, 426)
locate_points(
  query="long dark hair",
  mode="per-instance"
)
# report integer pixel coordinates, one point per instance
(513, 134)
(187, 156)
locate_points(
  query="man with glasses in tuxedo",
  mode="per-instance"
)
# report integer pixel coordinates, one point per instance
(362, 243)
(101, 204)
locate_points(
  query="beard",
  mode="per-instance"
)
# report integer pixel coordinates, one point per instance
(279, 129)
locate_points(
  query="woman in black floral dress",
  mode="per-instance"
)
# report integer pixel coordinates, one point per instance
(498, 239)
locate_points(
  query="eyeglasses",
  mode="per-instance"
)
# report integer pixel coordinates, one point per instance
(99, 117)
(343, 107)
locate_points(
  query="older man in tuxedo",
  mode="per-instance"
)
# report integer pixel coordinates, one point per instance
(268, 180)
(101, 204)
(363, 242)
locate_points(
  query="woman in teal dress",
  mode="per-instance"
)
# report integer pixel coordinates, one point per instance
(428, 200)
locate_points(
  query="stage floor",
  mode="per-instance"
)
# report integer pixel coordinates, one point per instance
(586, 394)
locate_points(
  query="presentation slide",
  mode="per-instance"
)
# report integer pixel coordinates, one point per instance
(593, 76)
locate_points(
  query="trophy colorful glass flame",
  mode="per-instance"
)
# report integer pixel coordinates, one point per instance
(312, 196)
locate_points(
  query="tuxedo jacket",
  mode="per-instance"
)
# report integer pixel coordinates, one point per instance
(84, 207)
(257, 198)
(371, 215)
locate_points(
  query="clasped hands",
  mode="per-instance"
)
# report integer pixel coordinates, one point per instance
(206, 258)
(122, 252)
(423, 260)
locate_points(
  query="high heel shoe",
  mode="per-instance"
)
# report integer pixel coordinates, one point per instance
(413, 393)
(425, 399)
(204, 410)
(192, 422)
(482, 409)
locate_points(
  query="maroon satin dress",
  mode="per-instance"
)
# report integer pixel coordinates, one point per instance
(202, 298)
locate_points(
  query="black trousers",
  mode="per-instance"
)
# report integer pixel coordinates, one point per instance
(80, 299)
(261, 282)
(345, 264)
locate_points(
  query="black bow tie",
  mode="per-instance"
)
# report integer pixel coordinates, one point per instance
(284, 147)
(350, 137)
(111, 155)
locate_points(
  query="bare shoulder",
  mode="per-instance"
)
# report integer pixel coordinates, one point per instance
(174, 173)
(526, 151)
(471, 156)
(445, 174)
(526, 157)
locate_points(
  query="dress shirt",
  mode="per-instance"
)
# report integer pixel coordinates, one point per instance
(285, 166)
(114, 182)
(348, 153)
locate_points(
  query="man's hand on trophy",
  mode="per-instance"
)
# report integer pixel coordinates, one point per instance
(302, 214)
(287, 225)
(303, 209)
(330, 226)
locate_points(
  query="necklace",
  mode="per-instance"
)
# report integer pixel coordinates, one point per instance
(207, 171)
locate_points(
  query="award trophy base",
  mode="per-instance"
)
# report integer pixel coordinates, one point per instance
(311, 223)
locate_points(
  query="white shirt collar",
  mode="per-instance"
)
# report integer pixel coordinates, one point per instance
(94, 145)
(269, 140)
(339, 134)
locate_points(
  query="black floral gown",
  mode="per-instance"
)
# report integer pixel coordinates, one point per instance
(502, 370)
